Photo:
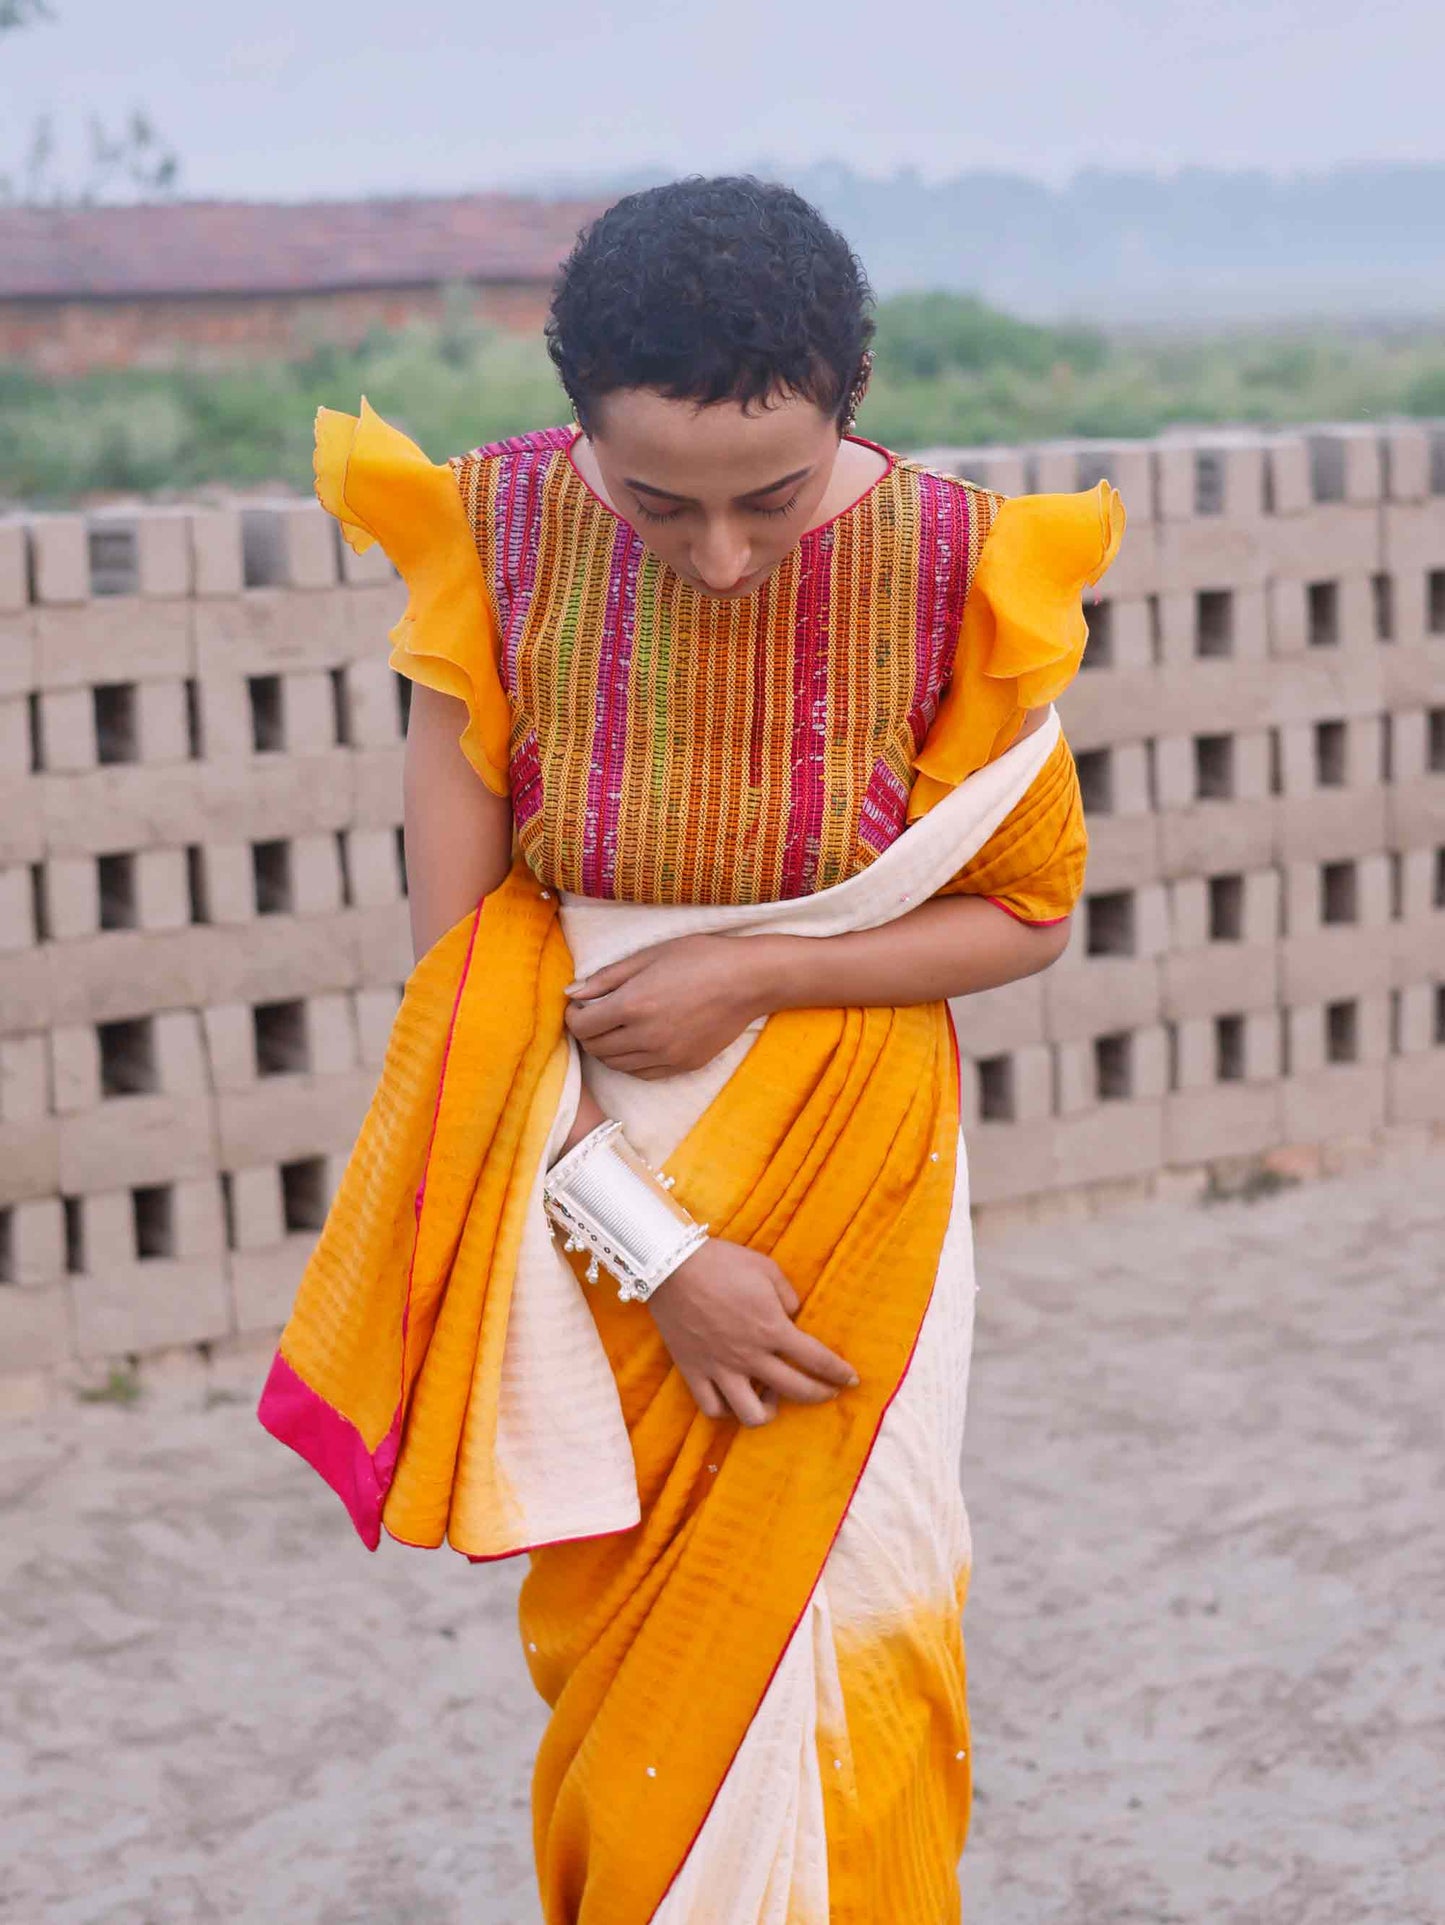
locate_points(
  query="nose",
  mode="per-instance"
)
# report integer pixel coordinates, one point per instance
(721, 557)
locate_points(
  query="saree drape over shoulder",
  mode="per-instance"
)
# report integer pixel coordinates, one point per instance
(750, 1640)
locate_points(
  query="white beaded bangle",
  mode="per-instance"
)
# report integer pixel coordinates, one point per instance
(612, 1203)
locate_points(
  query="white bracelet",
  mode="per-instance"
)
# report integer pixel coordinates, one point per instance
(612, 1203)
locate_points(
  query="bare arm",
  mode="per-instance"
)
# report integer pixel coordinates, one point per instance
(458, 833)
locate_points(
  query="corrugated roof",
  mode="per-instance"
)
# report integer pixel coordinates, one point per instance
(252, 247)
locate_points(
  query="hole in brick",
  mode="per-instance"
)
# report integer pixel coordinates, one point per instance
(1382, 597)
(268, 719)
(1276, 763)
(1342, 1032)
(1209, 481)
(74, 1219)
(343, 865)
(1096, 780)
(7, 1246)
(1387, 749)
(128, 1057)
(401, 858)
(1323, 617)
(1113, 1067)
(1099, 651)
(153, 1209)
(1109, 923)
(403, 698)
(1435, 741)
(271, 871)
(1214, 622)
(197, 885)
(40, 901)
(1439, 1015)
(303, 1193)
(1229, 1049)
(114, 560)
(1396, 872)
(1439, 889)
(281, 1041)
(1397, 1021)
(1435, 601)
(1339, 892)
(340, 708)
(1327, 468)
(228, 1209)
(996, 1089)
(1156, 630)
(263, 559)
(117, 729)
(35, 724)
(116, 875)
(1213, 767)
(1226, 908)
(1331, 755)
(195, 739)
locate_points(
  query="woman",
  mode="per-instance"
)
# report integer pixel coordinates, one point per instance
(765, 713)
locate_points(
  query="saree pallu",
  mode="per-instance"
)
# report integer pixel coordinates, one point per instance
(750, 1640)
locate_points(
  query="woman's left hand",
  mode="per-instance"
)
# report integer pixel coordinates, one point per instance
(670, 1008)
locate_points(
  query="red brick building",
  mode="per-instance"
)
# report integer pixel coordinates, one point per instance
(213, 281)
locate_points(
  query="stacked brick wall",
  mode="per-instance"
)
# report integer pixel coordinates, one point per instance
(60, 338)
(203, 930)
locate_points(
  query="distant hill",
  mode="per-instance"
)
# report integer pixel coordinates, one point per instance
(1203, 244)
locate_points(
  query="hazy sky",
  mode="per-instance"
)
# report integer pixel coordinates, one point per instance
(296, 97)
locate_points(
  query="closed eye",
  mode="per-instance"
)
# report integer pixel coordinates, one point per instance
(653, 514)
(787, 508)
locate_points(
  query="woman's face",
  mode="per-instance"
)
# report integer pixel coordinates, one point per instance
(719, 493)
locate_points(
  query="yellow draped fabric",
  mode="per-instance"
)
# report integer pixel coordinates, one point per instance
(1033, 864)
(381, 487)
(832, 1148)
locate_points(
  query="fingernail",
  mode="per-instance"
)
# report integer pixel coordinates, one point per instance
(572, 989)
(853, 1383)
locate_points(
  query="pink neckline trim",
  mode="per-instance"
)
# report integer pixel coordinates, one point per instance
(890, 459)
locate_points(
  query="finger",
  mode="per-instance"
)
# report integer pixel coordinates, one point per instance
(784, 1381)
(787, 1295)
(747, 1406)
(603, 981)
(586, 1020)
(797, 1347)
(706, 1396)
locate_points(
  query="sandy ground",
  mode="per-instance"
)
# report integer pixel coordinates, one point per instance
(1206, 1633)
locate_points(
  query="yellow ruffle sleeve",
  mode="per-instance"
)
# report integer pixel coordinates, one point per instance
(381, 488)
(1023, 631)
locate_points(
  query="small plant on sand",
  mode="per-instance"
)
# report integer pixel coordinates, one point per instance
(122, 1386)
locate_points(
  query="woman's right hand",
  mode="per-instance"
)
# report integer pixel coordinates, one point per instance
(726, 1316)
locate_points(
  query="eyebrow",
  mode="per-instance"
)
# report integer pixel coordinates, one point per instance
(666, 494)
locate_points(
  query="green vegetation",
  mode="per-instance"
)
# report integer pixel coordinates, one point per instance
(122, 1386)
(950, 370)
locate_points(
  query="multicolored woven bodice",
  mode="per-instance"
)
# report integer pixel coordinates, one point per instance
(669, 746)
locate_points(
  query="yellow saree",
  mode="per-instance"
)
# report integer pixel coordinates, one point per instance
(749, 1640)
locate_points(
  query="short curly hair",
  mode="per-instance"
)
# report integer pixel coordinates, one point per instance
(728, 289)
